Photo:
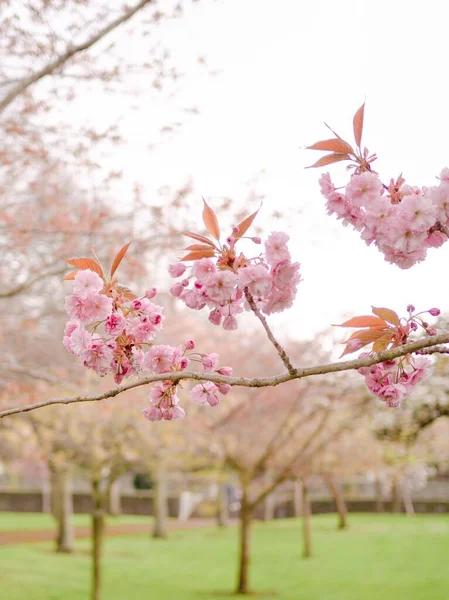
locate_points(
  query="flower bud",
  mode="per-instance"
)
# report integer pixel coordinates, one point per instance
(177, 269)
(189, 345)
(410, 308)
(435, 312)
(150, 294)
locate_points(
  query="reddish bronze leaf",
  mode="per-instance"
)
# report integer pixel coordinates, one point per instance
(211, 221)
(244, 225)
(382, 342)
(367, 335)
(364, 321)
(358, 125)
(86, 263)
(387, 314)
(198, 247)
(329, 159)
(126, 292)
(333, 145)
(70, 275)
(364, 336)
(199, 254)
(118, 259)
(199, 238)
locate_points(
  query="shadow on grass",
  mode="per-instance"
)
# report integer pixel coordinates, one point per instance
(251, 594)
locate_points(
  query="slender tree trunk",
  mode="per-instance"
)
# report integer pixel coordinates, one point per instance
(222, 505)
(340, 503)
(115, 507)
(97, 539)
(62, 509)
(306, 526)
(407, 498)
(380, 506)
(297, 498)
(245, 540)
(395, 497)
(268, 503)
(160, 502)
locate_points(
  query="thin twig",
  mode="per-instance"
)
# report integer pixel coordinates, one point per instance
(290, 368)
(70, 52)
(256, 382)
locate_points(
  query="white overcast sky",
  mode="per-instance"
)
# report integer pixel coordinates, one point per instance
(284, 67)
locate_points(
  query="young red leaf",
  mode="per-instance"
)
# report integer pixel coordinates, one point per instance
(367, 335)
(244, 225)
(364, 336)
(118, 259)
(70, 275)
(199, 238)
(358, 125)
(199, 254)
(364, 321)
(382, 342)
(329, 159)
(332, 145)
(211, 221)
(198, 247)
(126, 292)
(387, 315)
(86, 263)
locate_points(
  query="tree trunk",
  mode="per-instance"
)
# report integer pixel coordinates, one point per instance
(268, 503)
(222, 505)
(115, 507)
(395, 497)
(407, 498)
(97, 539)
(297, 498)
(245, 539)
(306, 529)
(160, 502)
(340, 502)
(62, 509)
(380, 506)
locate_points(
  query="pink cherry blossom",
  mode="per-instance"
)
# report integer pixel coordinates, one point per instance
(205, 393)
(115, 323)
(276, 248)
(87, 282)
(364, 188)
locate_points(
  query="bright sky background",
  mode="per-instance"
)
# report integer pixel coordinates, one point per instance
(284, 67)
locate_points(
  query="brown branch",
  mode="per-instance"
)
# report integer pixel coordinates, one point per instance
(256, 382)
(70, 52)
(285, 359)
(27, 284)
(437, 349)
(32, 374)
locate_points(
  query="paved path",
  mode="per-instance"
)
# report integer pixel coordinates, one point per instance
(45, 535)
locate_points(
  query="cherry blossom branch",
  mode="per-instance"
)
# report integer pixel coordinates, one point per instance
(245, 381)
(31, 373)
(60, 61)
(434, 350)
(30, 282)
(290, 368)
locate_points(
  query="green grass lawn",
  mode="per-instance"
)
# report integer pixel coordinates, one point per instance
(378, 558)
(10, 521)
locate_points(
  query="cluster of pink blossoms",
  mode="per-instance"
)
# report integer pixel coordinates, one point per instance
(401, 220)
(221, 282)
(391, 381)
(111, 331)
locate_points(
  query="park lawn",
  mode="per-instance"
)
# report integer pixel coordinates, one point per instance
(13, 521)
(379, 557)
